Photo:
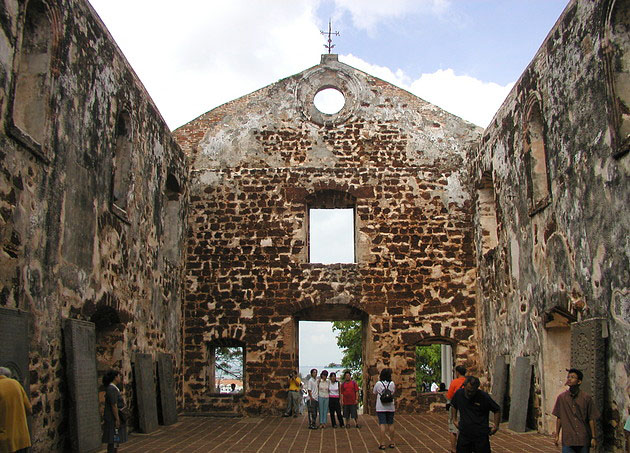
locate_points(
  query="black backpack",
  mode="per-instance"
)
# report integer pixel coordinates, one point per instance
(386, 394)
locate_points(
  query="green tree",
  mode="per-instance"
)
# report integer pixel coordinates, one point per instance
(228, 363)
(428, 365)
(349, 340)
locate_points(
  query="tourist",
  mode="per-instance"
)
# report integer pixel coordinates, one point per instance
(442, 387)
(576, 414)
(456, 384)
(384, 389)
(470, 409)
(350, 399)
(323, 386)
(313, 396)
(334, 401)
(434, 387)
(293, 396)
(14, 405)
(115, 421)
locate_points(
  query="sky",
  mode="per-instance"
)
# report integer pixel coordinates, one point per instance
(194, 55)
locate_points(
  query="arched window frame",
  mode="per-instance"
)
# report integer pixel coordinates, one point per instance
(29, 107)
(535, 154)
(616, 58)
(487, 213)
(122, 159)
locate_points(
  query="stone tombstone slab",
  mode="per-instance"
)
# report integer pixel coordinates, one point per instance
(145, 392)
(499, 380)
(14, 341)
(166, 385)
(588, 353)
(520, 395)
(80, 350)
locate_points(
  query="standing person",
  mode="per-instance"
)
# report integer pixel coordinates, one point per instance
(456, 384)
(350, 399)
(471, 407)
(293, 396)
(576, 414)
(115, 424)
(312, 402)
(14, 405)
(334, 401)
(384, 389)
(323, 386)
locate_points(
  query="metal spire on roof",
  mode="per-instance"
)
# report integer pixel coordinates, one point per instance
(330, 34)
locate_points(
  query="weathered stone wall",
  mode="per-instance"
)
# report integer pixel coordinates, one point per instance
(563, 257)
(258, 163)
(65, 251)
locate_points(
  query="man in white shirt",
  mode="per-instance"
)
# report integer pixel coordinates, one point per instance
(312, 402)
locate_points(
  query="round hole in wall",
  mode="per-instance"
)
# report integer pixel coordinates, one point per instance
(329, 101)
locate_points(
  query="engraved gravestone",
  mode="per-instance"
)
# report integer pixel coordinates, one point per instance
(166, 385)
(588, 354)
(14, 342)
(520, 395)
(499, 380)
(80, 350)
(145, 393)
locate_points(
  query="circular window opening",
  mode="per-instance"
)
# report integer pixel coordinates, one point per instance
(329, 101)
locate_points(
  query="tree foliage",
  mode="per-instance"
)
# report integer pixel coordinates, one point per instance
(428, 365)
(228, 363)
(349, 340)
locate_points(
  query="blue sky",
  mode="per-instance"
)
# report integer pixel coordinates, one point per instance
(194, 55)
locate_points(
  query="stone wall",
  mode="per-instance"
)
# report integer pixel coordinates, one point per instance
(75, 122)
(555, 162)
(259, 163)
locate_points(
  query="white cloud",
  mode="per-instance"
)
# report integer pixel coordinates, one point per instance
(367, 13)
(318, 344)
(471, 99)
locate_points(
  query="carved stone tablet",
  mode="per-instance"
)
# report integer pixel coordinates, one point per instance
(85, 420)
(166, 385)
(588, 354)
(145, 393)
(14, 340)
(499, 379)
(520, 395)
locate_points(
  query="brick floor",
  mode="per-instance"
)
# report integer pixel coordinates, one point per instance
(426, 433)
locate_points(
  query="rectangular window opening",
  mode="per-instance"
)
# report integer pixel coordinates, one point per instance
(331, 236)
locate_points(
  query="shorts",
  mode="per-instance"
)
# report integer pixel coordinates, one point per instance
(350, 411)
(385, 418)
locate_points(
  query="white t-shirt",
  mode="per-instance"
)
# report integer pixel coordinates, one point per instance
(311, 385)
(378, 388)
(333, 388)
(434, 387)
(323, 387)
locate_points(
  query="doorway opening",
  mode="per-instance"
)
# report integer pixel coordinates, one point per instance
(331, 337)
(434, 366)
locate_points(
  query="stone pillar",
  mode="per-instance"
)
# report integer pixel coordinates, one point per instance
(446, 351)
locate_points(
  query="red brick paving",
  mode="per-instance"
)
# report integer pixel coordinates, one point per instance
(426, 433)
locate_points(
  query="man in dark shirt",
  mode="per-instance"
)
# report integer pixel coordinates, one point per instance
(576, 414)
(474, 406)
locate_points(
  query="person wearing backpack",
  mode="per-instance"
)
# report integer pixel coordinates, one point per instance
(384, 390)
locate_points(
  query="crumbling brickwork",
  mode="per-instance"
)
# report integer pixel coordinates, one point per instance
(66, 250)
(259, 163)
(563, 257)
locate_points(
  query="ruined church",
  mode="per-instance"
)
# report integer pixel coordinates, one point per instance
(124, 244)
